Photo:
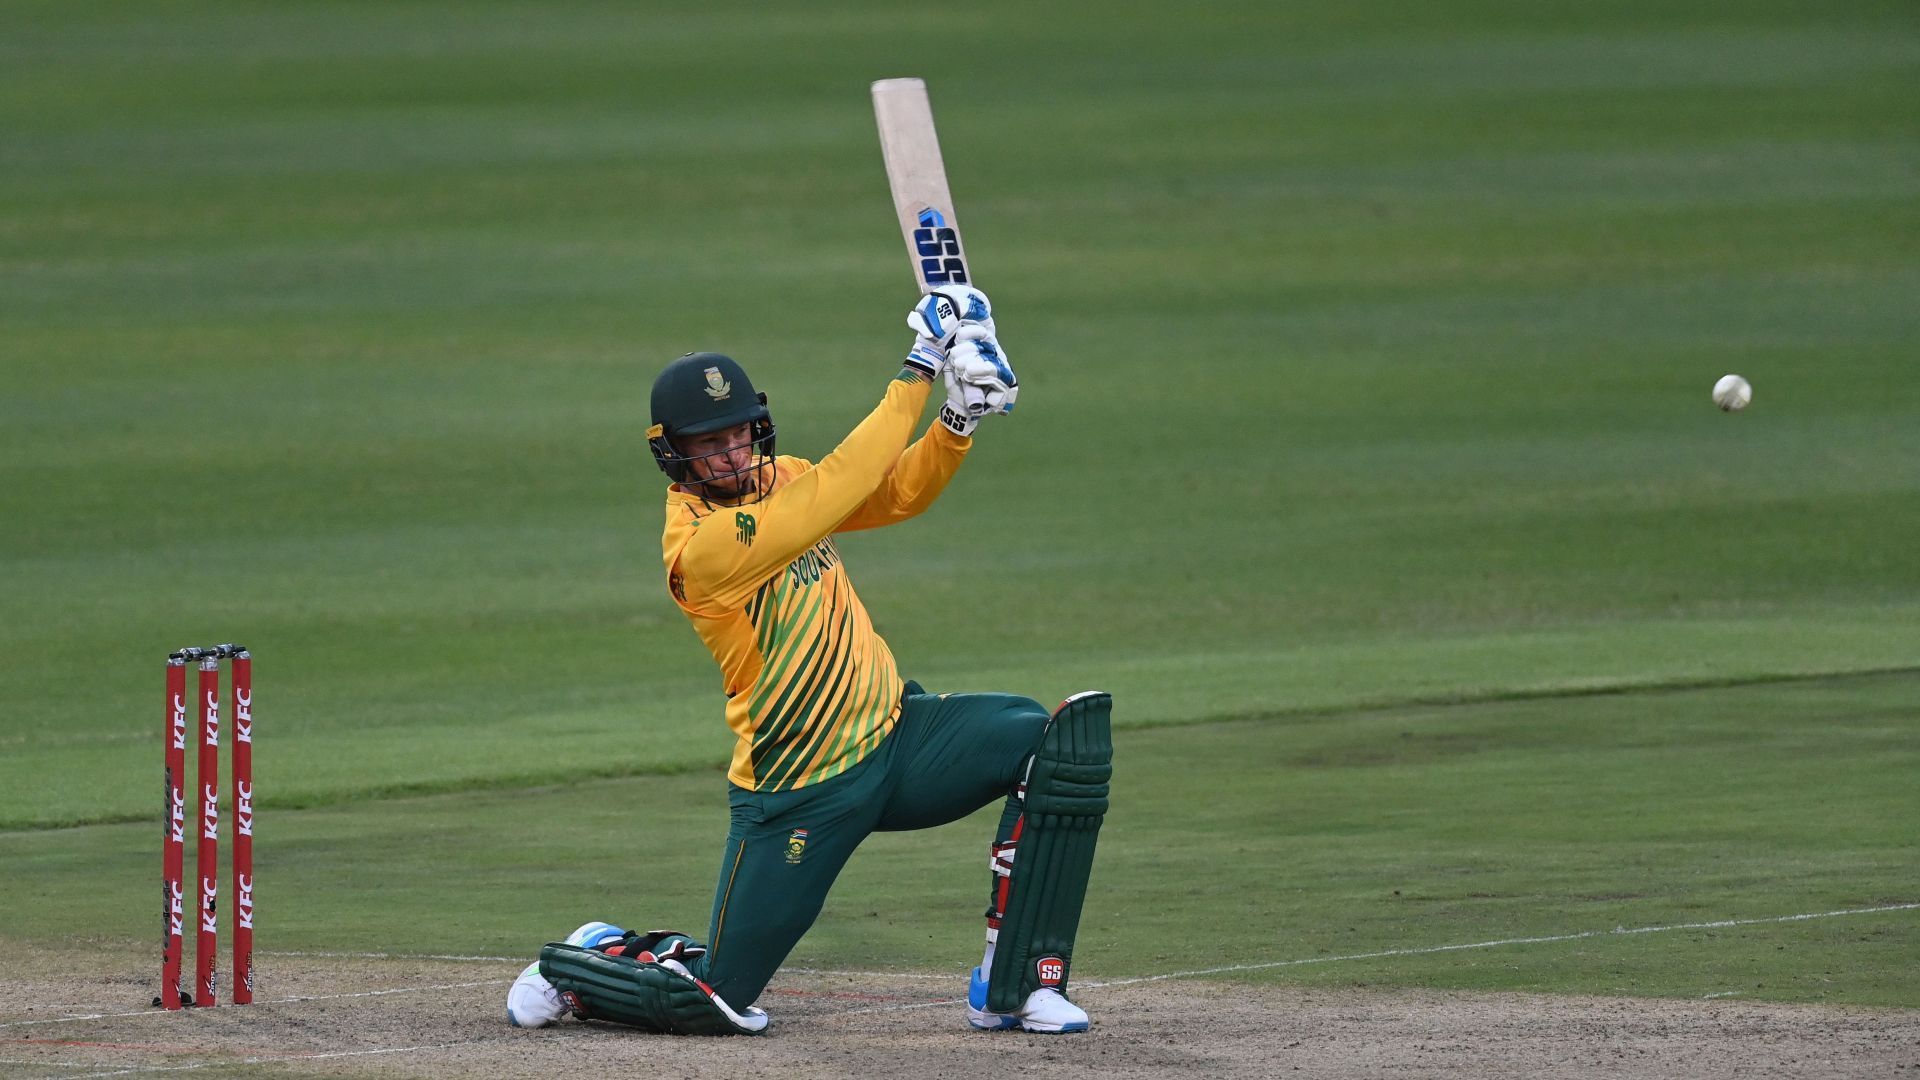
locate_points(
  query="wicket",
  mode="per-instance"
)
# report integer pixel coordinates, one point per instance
(205, 992)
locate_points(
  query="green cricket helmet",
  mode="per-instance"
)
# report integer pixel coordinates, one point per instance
(698, 394)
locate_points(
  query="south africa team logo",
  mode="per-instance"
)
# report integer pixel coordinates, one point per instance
(717, 385)
(796, 846)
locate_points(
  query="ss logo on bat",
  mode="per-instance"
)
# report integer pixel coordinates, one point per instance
(939, 248)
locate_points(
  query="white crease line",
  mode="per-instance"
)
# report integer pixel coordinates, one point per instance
(252, 1061)
(1721, 994)
(118, 1071)
(46, 1065)
(1618, 930)
(269, 1001)
(522, 960)
(394, 990)
(870, 974)
(1716, 925)
(323, 955)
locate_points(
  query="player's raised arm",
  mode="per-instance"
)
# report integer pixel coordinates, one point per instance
(960, 318)
(770, 510)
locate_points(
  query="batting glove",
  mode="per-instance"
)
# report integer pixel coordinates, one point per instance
(979, 367)
(927, 358)
(940, 314)
(956, 413)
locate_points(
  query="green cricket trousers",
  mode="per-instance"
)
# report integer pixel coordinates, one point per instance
(948, 756)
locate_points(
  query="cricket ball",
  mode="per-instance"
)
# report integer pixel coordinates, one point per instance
(1732, 393)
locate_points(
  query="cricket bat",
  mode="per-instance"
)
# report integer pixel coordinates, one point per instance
(919, 181)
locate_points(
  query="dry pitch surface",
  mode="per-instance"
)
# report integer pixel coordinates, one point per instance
(325, 1016)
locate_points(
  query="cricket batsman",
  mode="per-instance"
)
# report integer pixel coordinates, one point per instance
(831, 744)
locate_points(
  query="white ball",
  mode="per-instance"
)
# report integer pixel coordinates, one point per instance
(1732, 393)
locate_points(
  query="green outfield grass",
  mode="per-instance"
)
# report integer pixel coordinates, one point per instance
(1364, 442)
(1295, 843)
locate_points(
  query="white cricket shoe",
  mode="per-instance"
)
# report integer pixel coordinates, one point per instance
(532, 1001)
(1046, 1011)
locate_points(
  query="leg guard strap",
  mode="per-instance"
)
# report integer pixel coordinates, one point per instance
(1066, 800)
(655, 996)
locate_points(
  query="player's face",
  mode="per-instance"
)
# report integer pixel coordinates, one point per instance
(721, 461)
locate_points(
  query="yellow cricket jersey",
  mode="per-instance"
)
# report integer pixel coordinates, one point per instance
(811, 689)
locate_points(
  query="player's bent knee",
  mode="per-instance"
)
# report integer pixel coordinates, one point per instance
(1073, 764)
(1024, 707)
(1021, 722)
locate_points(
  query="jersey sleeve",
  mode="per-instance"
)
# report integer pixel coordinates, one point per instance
(738, 548)
(914, 482)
